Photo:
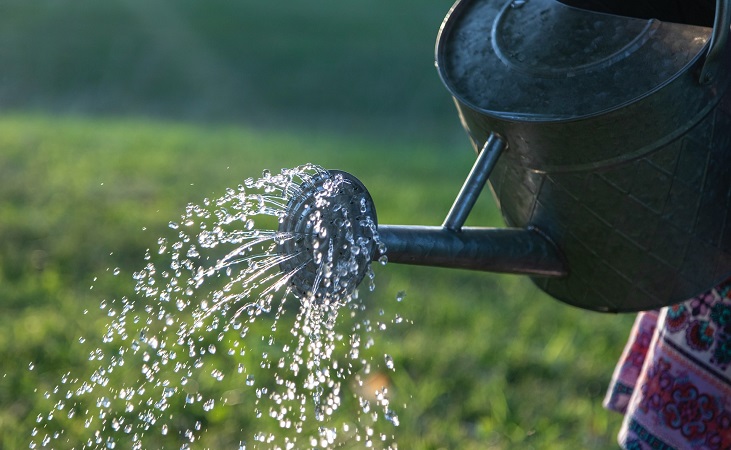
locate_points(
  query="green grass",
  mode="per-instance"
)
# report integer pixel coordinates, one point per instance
(489, 361)
(117, 114)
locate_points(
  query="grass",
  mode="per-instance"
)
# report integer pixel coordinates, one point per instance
(117, 114)
(488, 361)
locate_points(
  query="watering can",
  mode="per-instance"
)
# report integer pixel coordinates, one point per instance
(606, 141)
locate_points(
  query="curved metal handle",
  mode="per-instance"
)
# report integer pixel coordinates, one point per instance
(717, 44)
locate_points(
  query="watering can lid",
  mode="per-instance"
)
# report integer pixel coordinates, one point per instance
(540, 60)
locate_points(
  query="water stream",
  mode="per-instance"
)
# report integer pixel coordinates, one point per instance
(218, 330)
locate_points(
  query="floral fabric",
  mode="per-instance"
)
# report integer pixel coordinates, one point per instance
(673, 380)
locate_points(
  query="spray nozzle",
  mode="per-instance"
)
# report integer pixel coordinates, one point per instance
(328, 236)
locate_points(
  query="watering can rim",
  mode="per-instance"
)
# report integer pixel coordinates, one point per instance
(710, 55)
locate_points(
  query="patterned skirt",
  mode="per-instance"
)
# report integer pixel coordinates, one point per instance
(673, 381)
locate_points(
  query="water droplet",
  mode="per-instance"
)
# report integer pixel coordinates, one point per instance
(391, 417)
(217, 374)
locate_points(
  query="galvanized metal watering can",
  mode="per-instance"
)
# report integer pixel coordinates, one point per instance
(607, 144)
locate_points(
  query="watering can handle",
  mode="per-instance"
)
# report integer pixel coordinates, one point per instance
(475, 182)
(719, 37)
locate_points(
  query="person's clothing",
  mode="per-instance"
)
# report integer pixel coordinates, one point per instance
(673, 380)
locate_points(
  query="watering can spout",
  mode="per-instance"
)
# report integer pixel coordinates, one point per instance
(506, 250)
(524, 251)
(331, 227)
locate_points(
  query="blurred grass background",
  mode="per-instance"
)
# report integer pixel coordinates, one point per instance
(114, 115)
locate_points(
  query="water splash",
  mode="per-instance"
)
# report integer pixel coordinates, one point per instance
(218, 330)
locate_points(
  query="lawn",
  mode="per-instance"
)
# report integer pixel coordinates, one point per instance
(100, 149)
(488, 360)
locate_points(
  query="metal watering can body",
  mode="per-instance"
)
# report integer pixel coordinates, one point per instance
(606, 141)
(611, 137)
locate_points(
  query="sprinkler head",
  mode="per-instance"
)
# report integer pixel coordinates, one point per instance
(328, 237)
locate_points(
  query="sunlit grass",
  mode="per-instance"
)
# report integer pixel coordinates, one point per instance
(488, 362)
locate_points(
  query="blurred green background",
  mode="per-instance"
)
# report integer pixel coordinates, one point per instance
(116, 114)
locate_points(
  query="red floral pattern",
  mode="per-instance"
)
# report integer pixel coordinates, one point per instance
(699, 335)
(680, 395)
